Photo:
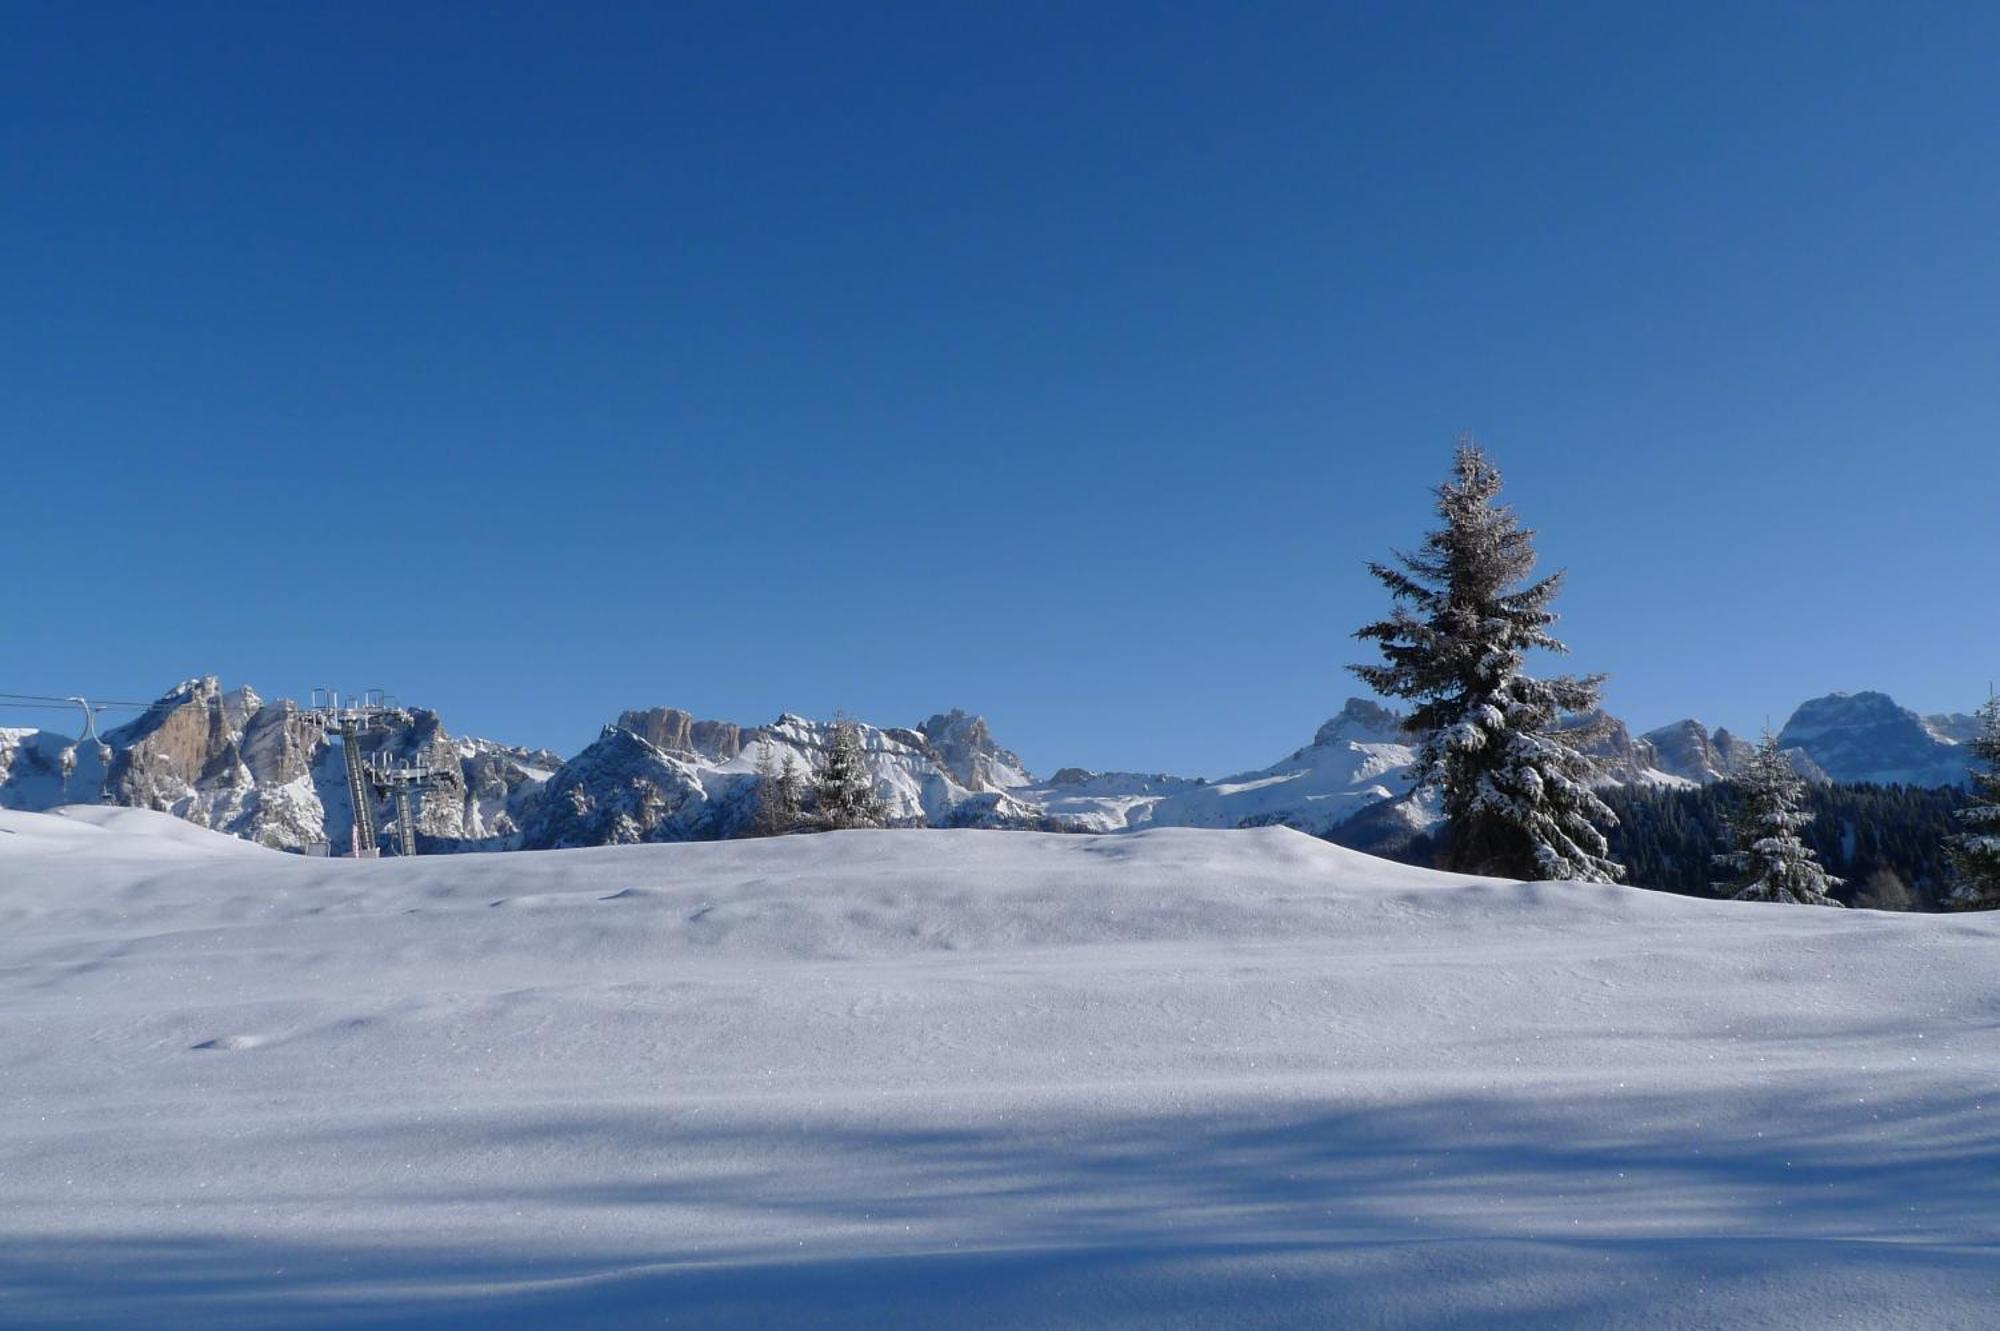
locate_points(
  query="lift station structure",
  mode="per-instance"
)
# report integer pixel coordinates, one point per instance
(329, 713)
(405, 782)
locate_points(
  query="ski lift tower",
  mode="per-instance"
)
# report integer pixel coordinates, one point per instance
(406, 782)
(348, 717)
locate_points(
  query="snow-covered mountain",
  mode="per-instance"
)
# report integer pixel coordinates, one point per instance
(1360, 757)
(1842, 737)
(662, 775)
(1868, 737)
(228, 760)
(966, 749)
(225, 759)
(1953, 727)
(1687, 752)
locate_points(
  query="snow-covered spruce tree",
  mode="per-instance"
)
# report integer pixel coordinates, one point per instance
(1769, 860)
(791, 793)
(1516, 787)
(780, 794)
(1975, 852)
(843, 791)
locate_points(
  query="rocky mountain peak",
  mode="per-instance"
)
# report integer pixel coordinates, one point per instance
(182, 739)
(1364, 721)
(965, 748)
(1620, 758)
(1733, 750)
(621, 789)
(1685, 749)
(675, 731)
(1867, 736)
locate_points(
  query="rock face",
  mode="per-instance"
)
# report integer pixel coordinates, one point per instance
(1867, 737)
(1685, 749)
(674, 731)
(1621, 759)
(1365, 722)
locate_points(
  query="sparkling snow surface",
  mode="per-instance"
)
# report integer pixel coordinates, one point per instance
(1164, 1079)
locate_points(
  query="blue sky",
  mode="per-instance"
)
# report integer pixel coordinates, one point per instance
(1059, 362)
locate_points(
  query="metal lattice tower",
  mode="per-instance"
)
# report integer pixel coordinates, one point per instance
(348, 717)
(406, 783)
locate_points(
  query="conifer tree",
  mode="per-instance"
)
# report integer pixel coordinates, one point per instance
(1516, 785)
(1770, 861)
(791, 799)
(780, 793)
(1975, 852)
(843, 790)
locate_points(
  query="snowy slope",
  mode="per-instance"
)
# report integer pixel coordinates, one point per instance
(1360, 757)
(31, 769)
(1176, 1078)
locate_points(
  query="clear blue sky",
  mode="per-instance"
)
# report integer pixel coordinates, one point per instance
(1059, 362)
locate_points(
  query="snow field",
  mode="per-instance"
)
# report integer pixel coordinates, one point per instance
(1172, 1078)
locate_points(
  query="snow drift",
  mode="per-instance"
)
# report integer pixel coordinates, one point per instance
(964, 1078)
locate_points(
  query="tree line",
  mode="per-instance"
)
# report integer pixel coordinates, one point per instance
(1889, 845)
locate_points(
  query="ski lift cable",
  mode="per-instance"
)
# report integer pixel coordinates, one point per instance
(6, 706)
(31, 699)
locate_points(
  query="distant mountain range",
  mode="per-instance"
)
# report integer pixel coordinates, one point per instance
(227, 759)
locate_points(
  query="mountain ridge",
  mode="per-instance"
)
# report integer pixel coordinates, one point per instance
(227, 759)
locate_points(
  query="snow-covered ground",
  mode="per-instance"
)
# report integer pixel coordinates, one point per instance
(1171, 1078)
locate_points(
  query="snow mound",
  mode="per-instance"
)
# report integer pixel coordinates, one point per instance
(113, 830)
(963, 1078)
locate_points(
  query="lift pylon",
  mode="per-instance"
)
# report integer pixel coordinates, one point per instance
(348, 717)
(405, 782)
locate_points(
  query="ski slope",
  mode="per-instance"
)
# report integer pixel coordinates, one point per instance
(1175, 1078)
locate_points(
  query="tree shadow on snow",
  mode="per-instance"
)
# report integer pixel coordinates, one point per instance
(1456, 1211)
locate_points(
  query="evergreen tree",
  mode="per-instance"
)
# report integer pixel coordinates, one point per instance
(791, 800)
(1770, 860)
(843, 791)
(780, 793)
(1516, 785)
(1975, 852)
